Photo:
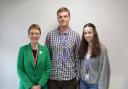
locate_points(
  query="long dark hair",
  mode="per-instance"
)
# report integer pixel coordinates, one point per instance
(96, 48)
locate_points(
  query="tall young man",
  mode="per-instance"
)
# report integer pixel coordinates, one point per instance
(63, 44)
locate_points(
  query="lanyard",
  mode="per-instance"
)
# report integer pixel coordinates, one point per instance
(87, 63)
(64, 40)
(35, 58)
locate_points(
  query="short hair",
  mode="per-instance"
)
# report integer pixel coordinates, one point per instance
(34, 26)
(63, 9)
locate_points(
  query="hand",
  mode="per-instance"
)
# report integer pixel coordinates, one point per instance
(36, 87)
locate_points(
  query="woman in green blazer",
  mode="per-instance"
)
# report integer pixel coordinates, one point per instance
(33, 65)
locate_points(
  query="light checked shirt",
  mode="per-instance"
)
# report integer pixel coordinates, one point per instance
(63, 49)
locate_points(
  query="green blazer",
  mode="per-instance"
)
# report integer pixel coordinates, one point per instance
(29, 73)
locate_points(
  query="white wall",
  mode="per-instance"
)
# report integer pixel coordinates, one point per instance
(109, 16)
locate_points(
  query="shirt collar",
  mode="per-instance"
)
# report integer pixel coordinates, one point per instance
(63, 33)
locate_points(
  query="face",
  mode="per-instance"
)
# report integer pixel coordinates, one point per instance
(63, 19)
(34, 35)
(88, 34)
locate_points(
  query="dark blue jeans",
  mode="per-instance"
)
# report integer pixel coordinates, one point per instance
(84, 85)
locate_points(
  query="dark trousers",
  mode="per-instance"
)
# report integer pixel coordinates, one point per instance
(70, 84)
